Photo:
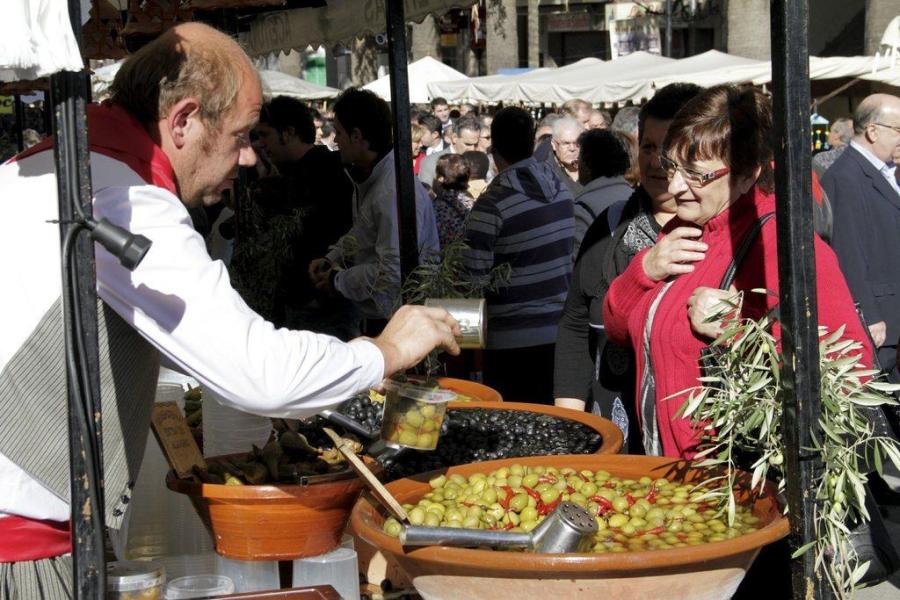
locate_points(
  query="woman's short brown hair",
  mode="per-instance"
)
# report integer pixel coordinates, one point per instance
(728, 123)
(454, 170)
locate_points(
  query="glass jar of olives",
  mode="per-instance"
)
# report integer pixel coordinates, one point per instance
(135, 580)
(413, 415)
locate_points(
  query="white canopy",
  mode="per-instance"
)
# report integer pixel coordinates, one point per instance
(500, 88)
(421, 73)
(338, 21)
(36, 39)
(276, 83)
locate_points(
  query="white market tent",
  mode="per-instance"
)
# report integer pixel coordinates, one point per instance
(636, 77)
(274, 83)
(421, 73)
(497, 88)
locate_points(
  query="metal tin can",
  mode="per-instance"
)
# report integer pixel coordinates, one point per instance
(470, 313)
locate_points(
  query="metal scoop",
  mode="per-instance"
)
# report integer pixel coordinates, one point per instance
(569, 528)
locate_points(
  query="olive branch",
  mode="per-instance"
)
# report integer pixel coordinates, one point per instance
(739, 408)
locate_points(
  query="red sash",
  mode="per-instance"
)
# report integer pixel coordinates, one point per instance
(24, 539)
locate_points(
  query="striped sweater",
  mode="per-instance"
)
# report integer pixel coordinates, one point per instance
(524, 218)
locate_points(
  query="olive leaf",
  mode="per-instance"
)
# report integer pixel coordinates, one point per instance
(738, 410)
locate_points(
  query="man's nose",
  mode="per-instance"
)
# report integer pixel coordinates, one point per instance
(247, 157)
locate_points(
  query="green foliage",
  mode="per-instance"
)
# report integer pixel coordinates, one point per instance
(739, 408)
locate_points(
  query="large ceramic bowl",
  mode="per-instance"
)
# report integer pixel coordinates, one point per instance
(706, 572)
(275, 522)
(474, 390)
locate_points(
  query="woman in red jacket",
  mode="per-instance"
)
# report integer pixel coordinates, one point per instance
(718, 156)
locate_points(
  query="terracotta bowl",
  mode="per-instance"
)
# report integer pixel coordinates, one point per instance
(477, 391)
(705, 572)
(275, 522)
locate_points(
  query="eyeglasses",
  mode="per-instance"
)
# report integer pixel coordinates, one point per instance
(896, 128)
(692, 177)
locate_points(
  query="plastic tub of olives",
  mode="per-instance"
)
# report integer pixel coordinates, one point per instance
(413, 415)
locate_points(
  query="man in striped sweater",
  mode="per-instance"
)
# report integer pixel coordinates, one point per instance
(524, 218)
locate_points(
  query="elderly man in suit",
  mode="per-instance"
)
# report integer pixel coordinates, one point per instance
(865, 197)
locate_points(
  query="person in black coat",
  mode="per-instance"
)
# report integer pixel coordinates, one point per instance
(865, 198)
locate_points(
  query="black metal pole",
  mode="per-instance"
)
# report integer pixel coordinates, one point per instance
(20, 122)
(669, 28)
(406, 191)
(69, 97)
(797, 277)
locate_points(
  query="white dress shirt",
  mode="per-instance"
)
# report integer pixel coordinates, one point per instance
(178, 298)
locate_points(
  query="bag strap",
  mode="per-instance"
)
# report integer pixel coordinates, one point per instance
(742, 250)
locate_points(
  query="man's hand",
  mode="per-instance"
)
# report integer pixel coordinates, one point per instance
(705, 302)
(671, 254)
(879, 333)
(412, 333)
(318, 268)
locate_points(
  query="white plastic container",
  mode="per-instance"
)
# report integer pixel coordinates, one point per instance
(199, 586)
(249, 575)
(227, 430)
(338, 568)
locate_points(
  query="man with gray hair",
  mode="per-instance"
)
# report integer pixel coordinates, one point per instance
(865, 198)
(465, 136)
(838, 137)
(564, 158)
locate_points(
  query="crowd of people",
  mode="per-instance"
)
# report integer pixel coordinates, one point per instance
(568, 202)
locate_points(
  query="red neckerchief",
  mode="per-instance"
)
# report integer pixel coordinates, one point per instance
(113, 132)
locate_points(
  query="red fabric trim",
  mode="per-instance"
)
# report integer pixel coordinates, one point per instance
(113, 132)
(23, 539)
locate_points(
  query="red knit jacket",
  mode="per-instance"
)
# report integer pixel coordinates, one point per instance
(674, 347)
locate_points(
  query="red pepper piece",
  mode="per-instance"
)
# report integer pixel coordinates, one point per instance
(509, 526)
(630, 499)
(610, 485)
(681, 536)
(703, 506)
(531, 492)
(651, 495)
(584, 477)
(655, 530)
(548, 508)
(505, 501)
(603, 502)
(570, 489)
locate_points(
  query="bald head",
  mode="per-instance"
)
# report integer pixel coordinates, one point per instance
(188, 60)
(876, 125)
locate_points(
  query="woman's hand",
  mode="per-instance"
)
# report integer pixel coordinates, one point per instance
(672, 254)
(704, 303)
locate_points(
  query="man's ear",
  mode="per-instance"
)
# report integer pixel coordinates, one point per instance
(182, 121)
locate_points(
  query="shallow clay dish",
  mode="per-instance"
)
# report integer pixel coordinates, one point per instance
(705, 572)
(275, 522)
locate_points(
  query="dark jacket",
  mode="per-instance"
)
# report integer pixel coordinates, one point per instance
(866, 223)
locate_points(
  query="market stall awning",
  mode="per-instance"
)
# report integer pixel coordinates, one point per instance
(338, 21)
(276, 83)
(36, 39)
(421, 73)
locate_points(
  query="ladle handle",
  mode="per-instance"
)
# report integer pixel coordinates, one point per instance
(456, 536)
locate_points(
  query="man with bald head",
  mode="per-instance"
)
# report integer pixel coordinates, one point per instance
(865, 196)
(173, 136)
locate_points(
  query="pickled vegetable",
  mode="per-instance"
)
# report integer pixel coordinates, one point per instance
(631, 515)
